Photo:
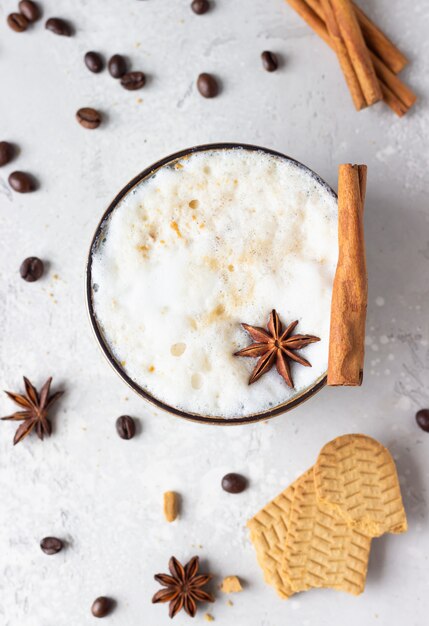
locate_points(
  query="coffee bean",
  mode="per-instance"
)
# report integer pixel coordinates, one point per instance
(234, 483)
(6, 152)
(117, 66)
(31, 269)
(133, 80)
(102, 606)
(126, 427)
(207, 85)
(21, 182)
(30, 10)
(269, 61)
(200, 6)
(93, 62)
(88, 118)
(17, 22)
(58, 26)
(422, 419)
(51, 545)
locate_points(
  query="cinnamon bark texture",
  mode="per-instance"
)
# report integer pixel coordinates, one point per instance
(344, 58)
(357, 49)
(349, 295)
(311, 12)
(379, 42)
(395, 94)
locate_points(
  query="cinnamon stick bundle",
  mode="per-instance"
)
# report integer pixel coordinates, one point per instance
(349, 295)
(395, 93)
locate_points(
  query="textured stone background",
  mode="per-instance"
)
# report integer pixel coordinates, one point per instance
(104, 495)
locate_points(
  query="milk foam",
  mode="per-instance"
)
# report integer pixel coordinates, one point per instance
(218, 238)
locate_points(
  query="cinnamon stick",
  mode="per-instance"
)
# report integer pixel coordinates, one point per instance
(311, 12)
(343, 55)
(379, 42)
(403, 93)
(349, 295)
(356, 47)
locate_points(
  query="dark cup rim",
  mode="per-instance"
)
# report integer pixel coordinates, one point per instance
(147, 172)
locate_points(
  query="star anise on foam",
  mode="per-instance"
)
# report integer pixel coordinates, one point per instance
(35, 413)
(275, 346)
(183, 589)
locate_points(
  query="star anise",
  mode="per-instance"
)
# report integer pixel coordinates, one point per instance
(34, 415)
(277, 346)
(183, 589)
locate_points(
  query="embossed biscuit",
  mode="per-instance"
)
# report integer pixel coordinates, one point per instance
(268, 531)
(322, 550)
(356, 479)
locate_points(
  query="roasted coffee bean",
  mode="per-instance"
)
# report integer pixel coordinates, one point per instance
(21, 182)
(101, 607)
(30, 10)
(93, 62)
(6, 152)
(88, 118)
(51, 545)
(125, 427)
(234, 483)
(422, 419)
(207, 85)
(200, 6)
(117, 66)
(58, 26)
(17, 22)
(31, 269)
(133, 80)
(269, 61)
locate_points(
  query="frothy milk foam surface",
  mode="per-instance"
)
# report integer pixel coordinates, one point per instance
(218, 238)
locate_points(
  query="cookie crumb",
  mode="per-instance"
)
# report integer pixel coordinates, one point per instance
(171, 505)
(231, 584)
(208, 617)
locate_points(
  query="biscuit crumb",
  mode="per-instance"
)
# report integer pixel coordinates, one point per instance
(231, 584)
(208, 617)
(171, 506)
